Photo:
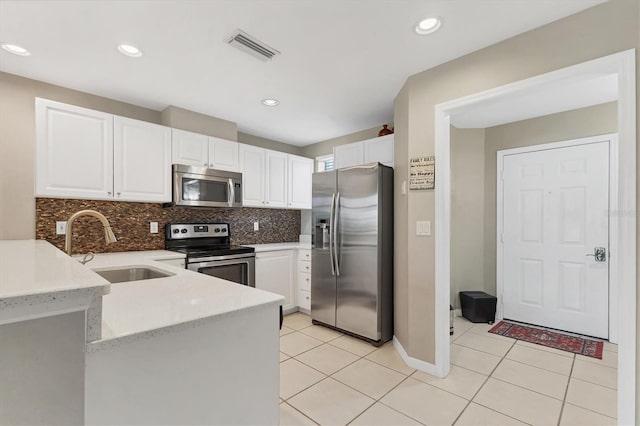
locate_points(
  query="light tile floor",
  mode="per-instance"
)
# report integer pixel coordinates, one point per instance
(328, 378)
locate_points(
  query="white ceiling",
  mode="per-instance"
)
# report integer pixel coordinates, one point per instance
(539, 101)
(342, 61)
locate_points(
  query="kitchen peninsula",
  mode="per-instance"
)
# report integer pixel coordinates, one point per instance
(186, 348)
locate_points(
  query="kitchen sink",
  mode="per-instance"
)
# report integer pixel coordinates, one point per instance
(131, 273)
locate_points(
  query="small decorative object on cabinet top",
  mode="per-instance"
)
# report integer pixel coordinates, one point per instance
(385, 131)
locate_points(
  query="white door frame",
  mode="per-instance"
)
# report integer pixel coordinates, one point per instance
(614, 242)
(622, 64)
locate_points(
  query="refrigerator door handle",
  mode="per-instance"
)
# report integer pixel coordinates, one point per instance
(335, 233)
(333, 201)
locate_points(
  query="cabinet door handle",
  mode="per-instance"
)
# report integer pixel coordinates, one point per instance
(211, 165)
(205, 164)
(118, 194)
(109, 192)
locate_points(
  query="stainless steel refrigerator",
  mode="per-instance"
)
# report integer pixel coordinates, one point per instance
(352, 251)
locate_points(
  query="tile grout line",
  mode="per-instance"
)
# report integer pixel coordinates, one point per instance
(482, 385)
(360, 357)
(314, 422)
(566, 390)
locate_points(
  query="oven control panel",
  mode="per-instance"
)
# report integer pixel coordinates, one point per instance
(179, 231)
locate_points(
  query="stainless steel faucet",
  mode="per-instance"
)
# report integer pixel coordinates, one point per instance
(108, 233)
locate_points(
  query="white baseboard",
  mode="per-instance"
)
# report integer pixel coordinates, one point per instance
(413, 362)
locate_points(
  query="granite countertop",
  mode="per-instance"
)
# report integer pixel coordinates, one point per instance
(279, 246)
(36, 268)
(138, 309)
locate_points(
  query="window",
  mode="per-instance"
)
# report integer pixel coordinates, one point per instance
(324, 163)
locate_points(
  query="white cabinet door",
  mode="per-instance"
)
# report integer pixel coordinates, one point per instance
(275, 273)
(348, 155)
(189, 148)
(299, 191)
(142, 161)
(223, 154)
(74, 151)
(276, 182)
(252, 161)
(379, 150)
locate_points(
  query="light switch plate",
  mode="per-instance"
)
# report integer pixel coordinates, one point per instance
(256, 226)
(61, 227)
(423, 228)
(153, 227)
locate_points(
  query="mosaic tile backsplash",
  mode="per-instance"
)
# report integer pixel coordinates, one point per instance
(130, 223)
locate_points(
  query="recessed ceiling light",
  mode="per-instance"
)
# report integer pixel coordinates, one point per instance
(428, 26)
(270, 102)
(129, 50)
(15, 49)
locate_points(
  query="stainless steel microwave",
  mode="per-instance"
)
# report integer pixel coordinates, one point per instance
(203, 187)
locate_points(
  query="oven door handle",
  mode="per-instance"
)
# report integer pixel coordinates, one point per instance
(220, 258)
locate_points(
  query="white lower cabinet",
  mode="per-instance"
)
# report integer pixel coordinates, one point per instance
(304, 280)
(275, 273)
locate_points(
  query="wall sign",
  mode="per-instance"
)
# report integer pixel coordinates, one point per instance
(422, 172)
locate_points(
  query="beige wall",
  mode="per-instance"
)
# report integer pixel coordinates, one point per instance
(17, 144)
(326, 147)
(184, 119)
(401, 321)
(269, 144)
(592, 121)
(575, 39)
(467, 211)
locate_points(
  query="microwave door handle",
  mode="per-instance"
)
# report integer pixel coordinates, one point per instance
(333, 201)
(232, 195)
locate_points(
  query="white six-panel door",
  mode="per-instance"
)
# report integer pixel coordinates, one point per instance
(555, 212)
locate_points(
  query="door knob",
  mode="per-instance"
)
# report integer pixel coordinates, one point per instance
(599, 253)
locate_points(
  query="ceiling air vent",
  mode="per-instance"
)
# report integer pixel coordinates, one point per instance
(252, 46)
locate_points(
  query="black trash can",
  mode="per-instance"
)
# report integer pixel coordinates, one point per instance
(478, 306)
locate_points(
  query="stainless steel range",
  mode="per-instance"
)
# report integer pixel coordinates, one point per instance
(209, 251)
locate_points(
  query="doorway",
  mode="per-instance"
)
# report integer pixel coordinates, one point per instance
(553, 235)
(623, 265)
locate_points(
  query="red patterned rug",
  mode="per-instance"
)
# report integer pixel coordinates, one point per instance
(573, 344)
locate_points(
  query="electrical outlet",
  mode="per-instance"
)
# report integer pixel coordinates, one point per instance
(61, 227)
(256, 226)
(153, 227)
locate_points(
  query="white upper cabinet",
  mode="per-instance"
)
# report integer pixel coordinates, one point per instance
(252, 166)
(81, 153)
(299, 188)
(190, 148)
(348, 155)
(276, 179)
(379, 150)
(74, 151)
(223, 154)
(142, 161)
(194, 149)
